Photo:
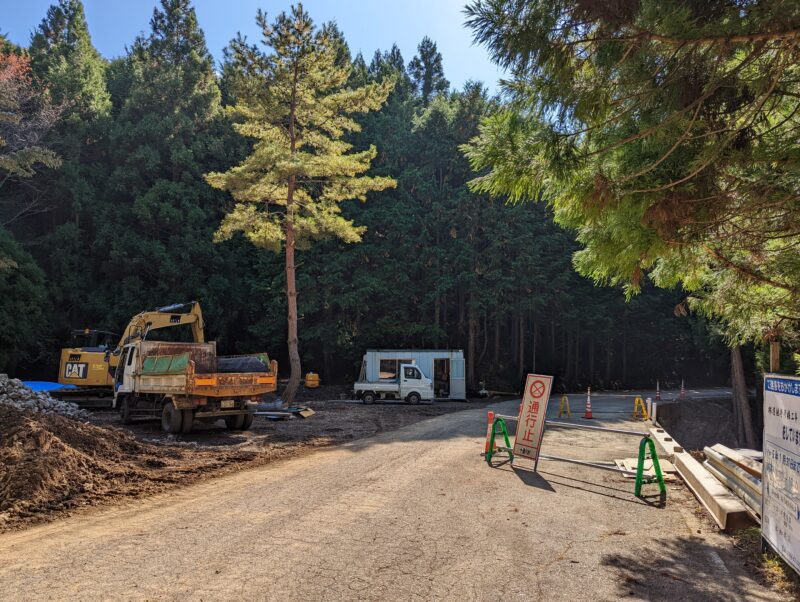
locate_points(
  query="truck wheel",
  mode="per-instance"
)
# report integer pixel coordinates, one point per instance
(368, 397)
(125, 410)
(413, 398)
(187, 421)
(234, 423)
(248, 421)
(171, 418)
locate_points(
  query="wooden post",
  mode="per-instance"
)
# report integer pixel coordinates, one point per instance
(774, 356)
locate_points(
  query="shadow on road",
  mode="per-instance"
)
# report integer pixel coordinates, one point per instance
(678, 569)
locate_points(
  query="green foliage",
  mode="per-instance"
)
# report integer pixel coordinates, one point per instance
(426, 71)
(294, 103)
(663, 132)
(23, 305)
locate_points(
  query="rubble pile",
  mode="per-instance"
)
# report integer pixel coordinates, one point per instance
(15, 394)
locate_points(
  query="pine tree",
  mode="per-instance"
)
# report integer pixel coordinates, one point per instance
(426, 71)
(295, 105)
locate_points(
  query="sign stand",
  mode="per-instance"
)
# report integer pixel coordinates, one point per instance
(662, 488)
(492, 448)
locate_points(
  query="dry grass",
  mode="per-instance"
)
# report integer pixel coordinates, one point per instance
(771, 568)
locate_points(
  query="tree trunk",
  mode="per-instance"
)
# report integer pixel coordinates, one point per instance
(521, 343)
(741, 405)
(471, 328)
(591, 359)
(533, 343)
(291, 285)
(577, 351)
(568, 359)
(609, 360)
(624, 349)
(774, 357)
(496, 341)
(291, 299)
(485, 339)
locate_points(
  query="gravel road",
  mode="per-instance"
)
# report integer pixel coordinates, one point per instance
(409, 514)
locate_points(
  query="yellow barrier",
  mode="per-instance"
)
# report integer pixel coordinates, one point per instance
(563, 407)
(639, 409)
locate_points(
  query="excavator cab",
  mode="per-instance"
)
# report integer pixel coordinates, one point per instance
(94, 340)
(93, 357)
(85, 363)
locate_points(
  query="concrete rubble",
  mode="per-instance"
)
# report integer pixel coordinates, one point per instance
(15, 394)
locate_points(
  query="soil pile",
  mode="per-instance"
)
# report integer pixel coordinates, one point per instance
(48, 462)
(14, 393)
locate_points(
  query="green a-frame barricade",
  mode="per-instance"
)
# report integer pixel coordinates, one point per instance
(645, 445)
(491, 449)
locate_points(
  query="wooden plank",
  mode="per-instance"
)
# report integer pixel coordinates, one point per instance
(727, 510)
(752, 502)
(751, 466)
(744, 478)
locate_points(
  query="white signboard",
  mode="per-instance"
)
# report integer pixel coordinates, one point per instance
(780, 506)
(530, 424)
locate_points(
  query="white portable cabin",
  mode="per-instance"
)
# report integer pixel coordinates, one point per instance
(445, 367)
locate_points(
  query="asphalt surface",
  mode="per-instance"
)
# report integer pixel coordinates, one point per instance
(413, 514)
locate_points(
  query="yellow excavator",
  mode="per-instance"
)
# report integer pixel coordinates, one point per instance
(89, 364)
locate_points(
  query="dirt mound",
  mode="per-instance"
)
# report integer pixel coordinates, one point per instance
(49, 462)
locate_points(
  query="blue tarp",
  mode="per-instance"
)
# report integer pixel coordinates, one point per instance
(43, 385)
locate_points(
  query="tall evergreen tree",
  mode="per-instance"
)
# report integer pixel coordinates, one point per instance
(69, 68)
(157, 218)
(295, 105)
(427, 72)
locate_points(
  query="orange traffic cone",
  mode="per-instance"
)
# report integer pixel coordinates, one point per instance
(683, 390)
(658, 392)
(588, 412)
(489, 434)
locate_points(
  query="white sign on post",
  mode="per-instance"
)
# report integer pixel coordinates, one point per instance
(532, 412)
(780, 505)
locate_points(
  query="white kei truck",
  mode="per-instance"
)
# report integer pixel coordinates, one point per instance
(407, 383)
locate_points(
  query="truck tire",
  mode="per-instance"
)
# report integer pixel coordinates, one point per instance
(248, 421)
(187, 421)
(234, 423)
(368, 397)
(125, 410)
(413, 398)
(171, 419)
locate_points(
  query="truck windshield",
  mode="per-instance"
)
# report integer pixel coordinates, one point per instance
(412, 373)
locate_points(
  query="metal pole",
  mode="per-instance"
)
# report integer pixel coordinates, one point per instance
(586, 427)
(585, 463)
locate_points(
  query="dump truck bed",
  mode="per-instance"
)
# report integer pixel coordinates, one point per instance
(163, 371)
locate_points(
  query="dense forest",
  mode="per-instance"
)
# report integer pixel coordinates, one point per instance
(104, 212)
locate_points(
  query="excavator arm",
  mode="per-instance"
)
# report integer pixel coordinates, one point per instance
(165, 317)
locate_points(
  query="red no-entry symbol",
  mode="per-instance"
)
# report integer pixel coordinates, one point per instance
(537, 388)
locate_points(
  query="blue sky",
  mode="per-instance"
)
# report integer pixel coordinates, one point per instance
(367, 26)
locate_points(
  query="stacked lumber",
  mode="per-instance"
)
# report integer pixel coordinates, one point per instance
(739, 472)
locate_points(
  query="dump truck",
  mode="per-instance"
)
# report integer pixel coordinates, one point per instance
(409, 384)
(89, 364)
(184, 383)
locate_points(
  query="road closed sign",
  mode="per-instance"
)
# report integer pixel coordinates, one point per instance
(780, 505)
(532, 412)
